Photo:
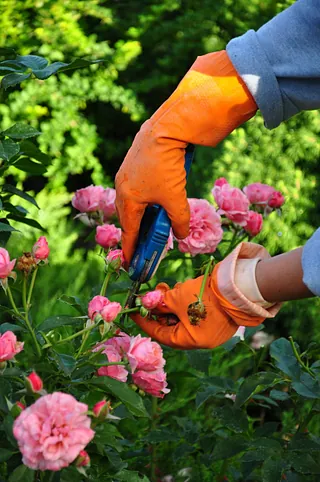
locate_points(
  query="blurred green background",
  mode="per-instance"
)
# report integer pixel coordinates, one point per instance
(88, 119)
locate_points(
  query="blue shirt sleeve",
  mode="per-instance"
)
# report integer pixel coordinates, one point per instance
(280, 63)
(311, 263)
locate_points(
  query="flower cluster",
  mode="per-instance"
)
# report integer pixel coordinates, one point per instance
(9, 346)
(144, 357)
(100, 305)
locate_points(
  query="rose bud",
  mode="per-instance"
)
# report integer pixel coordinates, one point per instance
(16, 409)
(115, 260)
(101, 410)
(34, 383)
(83, 459)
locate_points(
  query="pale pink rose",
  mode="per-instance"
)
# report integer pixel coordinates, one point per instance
(115, 259)
(261, 339)
(108, 235)
(205, 229)
(52, 432)
(88, 199)
(41, 249)
(276, 200)
(258, 193)
(115, 371)
(121, 343)
(9, 346)
(145, 354)
(240, 332)
(254, 223)
(232, 396)
(152, 299)
(96, 305)
(34, 383)
(110, 312)
(221, 181)
(6, 266)
(154, 383)
(232, 203)
(107, 203)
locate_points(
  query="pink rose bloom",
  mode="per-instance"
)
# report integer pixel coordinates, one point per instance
(152, 299)
(6, 266)
(205, 229)
(88, 199)
(96, 305)
(121, 343)
(232, 203)
(254, 223)
(258, 193)
(108, 235)
(154, 383)
(52, 431)
(41, 249)
(110, 311)
(9, 346)
(221, 181)
(276, 200)
(145, 354)
(115, 258)
(115, 371)
(107, 203)
(260, 339)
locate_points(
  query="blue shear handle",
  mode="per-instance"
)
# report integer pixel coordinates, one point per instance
(153, 236)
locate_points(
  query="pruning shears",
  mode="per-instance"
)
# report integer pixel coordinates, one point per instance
(152, 241)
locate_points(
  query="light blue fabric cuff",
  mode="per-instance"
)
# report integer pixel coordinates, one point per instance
(311, 263)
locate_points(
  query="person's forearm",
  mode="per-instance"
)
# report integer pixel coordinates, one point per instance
(280, 278)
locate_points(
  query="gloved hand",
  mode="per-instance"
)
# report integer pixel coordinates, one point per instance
(226, 307)
(210, 101)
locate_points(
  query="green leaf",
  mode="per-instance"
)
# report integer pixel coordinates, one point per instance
(132, 400)
(7, 52)
(49, 70)
(32, 61)
(216, 385)
(230, 344)
(8, 149)
(160, 435)
(5, 454)
(234, 419)
(272, 470)
(23, 220)
(10, 80)
(29, 149)
(25, 164)
(75, 302)
(22, 474)
(106, 435)
(66, 363)
(7, 227)
(254, 384)
(10, 327)
(54, 322)
(307, 386)
(229, 447)
(21, 131)
(11, 208)
(200, 359)
(80, 64)
(18, 192)
(264, 443)
(281, 351)
(266, 429)
(303, 463)
(279, 395)
(130, 476)
(302, 443)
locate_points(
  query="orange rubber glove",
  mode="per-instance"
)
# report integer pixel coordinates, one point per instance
(210, 101)
(226, 307)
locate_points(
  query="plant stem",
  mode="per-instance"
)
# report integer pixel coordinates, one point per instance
(24, 295)
(26, 317)
(14, 306)
(205, 277)
(105, 284)
(75, 335)
(305, 422)
(110, 364)
(129, 310)
(84, 339)
(33, 279)
(231, 242)
(154, 417)
(296, 354)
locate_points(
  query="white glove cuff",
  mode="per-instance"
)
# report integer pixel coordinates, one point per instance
(245, 280)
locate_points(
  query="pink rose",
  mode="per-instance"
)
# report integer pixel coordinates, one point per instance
(88, 199)
(152, 299)
(110, 311)
(41, 249)
(258, 193)
(52, 432)
(154, 383)
(96, 305)
(145, 354)
(276, 200)
(108, 235)
(121, 343)
(107, 203)
(9, 346)
(6, 266)
(254, 223)
(34, 383)
(221, 181)
(261, 339)
(101, 410)
(115, 371)
(205, 229)
(115, 259)
(232, 203)
(83, 459)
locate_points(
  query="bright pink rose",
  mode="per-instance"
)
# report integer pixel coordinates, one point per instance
(6, 266)
(115, 371)
(9, 346)
(83, 459)
(205, 229)
(145, 354)
(52, 431)
(41, 249)
(232, 203)
(115, 259)
(108, 235)
(34, 383)
(96, 305)
(258, 193)
(121, 343)
(254, 223)
(276, 200)
(152, 299)
(107, 203)
(154, 383)
(221, 181)
(88, 199)
(110, 311)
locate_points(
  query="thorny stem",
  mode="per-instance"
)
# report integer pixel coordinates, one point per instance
(205, 277)
(105, 284)
(296, 354)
